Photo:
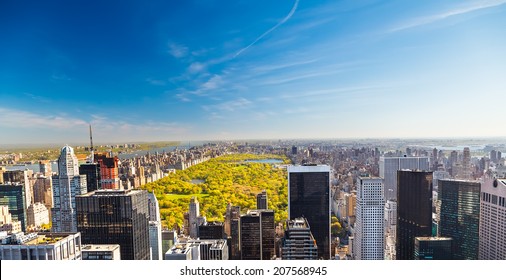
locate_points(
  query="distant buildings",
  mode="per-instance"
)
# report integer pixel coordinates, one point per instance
(414, 210)
(492, 244)
(460, 216)
(388, 167)
(116, 217)
(41, 246)
(92, 173)
(66, 185)
(309, 197)
(369, 224)
(433, 248)
(299, 243)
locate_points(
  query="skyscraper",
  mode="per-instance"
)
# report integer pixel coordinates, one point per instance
(492, 241)
(388, 167)
(369, 224)
(465, 171)
(211, 230)
(262, 200)
(66, 185)
(460, 216)
(193, 215)
(92, 173)
(109, 174)
(257, 235)
(232, 228)
(116, 217)
(155, 228)
(414, 210)
(20, 177)
(13, 196)
(309, 197)
(433, 248)
(299, 243)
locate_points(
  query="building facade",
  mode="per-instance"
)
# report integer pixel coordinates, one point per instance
(388, 167)
(116, 217)
(414, 210)
(13, 196)
(66, 185)
(433, 248)
(299, 243)
(41, 246)
(492, 233)
(460, 216)
(309, 197)
(369, 224)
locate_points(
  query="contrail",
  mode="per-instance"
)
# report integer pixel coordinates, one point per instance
(290, 14)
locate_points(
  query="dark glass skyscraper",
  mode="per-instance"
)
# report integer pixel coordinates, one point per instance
(212, 230)
(262, 200)
(257, 235)
(116, 217)
(460, 216)
(433, 248)
(414, 210)
(92, 173)
(13, 196)
(309, 197)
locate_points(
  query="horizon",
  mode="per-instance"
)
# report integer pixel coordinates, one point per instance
(237, 71)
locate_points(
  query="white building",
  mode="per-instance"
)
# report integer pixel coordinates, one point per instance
(66, 185)
(388, 167)
(369, 225)
(37, 215)
(193, 215)
(155, 228)
(101, 252)
(492, 230)
(6, 222)
(195, 249)
(41, 246)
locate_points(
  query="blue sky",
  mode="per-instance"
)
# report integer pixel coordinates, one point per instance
(206, 70)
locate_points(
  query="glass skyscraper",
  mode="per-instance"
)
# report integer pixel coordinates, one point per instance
(414, 210)
(309, 197)
(460, 216)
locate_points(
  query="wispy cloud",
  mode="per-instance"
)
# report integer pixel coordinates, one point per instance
(177, 50)
(36, 97)
(18, 118)
(156, 82)
(196, 67)
(230, 106)
(442, 16)
(269, 68)
(60, 77)
(290, 14)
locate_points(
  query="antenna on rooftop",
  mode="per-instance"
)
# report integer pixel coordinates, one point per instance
(92, 159)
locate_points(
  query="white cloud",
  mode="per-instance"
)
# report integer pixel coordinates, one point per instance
(196, 67)
(290, 14)
(442, 16)
(177, 50)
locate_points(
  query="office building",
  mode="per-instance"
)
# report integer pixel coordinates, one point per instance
(369, 224)
(262, 200)
(233, 225)
(211, 230)
(299, 243)
(37, 215)
(43, 192)
(116, 217)
(155, 228)
(20, 177)
(109, 174)
(460, 216)
(108, 252)
(257, 235)
(414, 210)
(193, 215)
(388, 167)
(492, 236)
(13, 196)
(169, 238)
(92, 173)
(66, 185)
(309, 197)
(433, 248)
(41, 246)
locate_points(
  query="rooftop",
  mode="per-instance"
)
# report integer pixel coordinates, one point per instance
(100, 247)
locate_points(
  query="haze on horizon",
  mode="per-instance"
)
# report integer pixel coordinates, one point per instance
(222, 70)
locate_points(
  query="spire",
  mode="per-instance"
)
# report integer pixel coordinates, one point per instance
(91, 147)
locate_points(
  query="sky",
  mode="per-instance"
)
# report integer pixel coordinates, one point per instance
(225, 70)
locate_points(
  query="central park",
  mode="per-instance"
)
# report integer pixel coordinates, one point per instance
(235, 179)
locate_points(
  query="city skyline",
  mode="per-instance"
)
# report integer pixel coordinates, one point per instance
(250, 70)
